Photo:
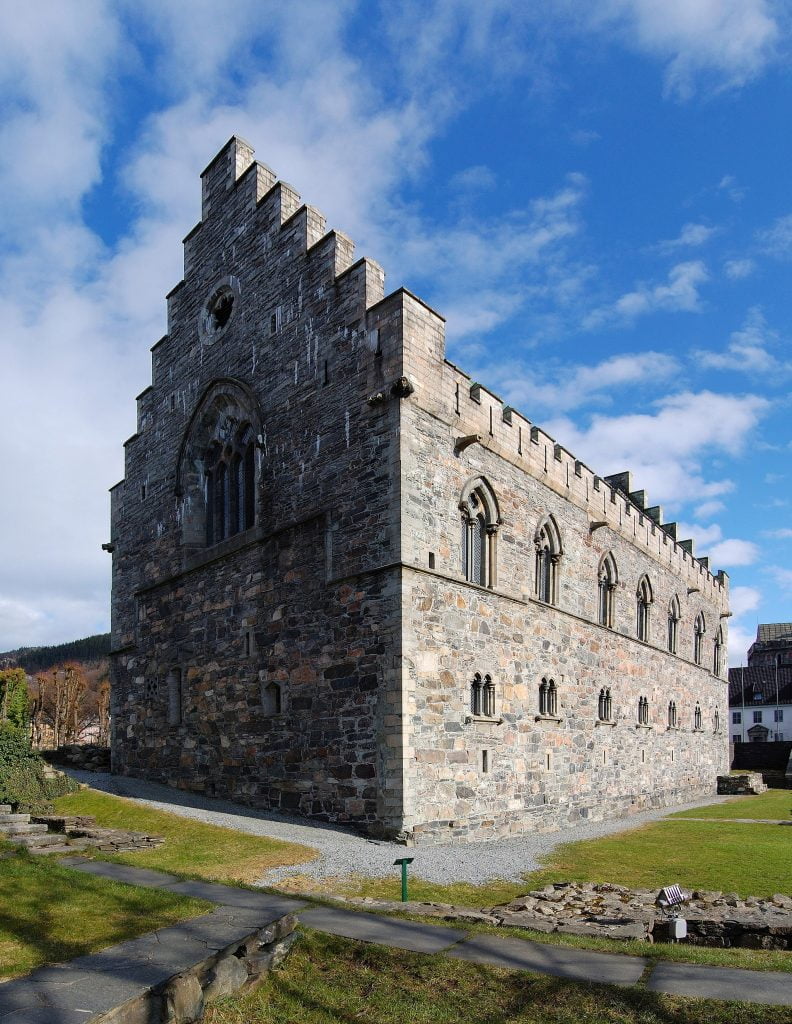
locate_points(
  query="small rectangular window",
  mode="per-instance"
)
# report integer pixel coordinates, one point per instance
(548, 761)
(643, 757)
(736, 739)
(484, 761)
(431, 560)
(142, 492)
(757, 716)
(737, 717)
(779, 714)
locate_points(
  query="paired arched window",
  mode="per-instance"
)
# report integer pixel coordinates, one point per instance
(480, 522)
(643, 711)
(699, 629)
(547, 542)
(643, 603)
(607, 578)
(672, 715)
(548, 699)
(482, 696)
(697, 717)
(674, 615)
(717, 653)
(230, 486)
(605, 707)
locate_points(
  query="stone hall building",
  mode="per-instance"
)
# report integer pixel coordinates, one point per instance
(349, 582)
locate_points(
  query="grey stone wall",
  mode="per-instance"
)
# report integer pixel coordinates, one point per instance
(348, 592)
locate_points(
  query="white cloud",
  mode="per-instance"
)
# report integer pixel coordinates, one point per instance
(663, 448)
(785, 533)
(478, 178)
(743, 600)
(782, 577)
(708, 509)
(777, 239)
(734, 552)
(747, 351)
(725, 42)
(560, 387)
(736, 270)
(679, 294)
(735, 192)
(740, 639)
(691, 236)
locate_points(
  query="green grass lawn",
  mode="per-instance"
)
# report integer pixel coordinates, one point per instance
(775, 804)
(49, 914)
(327, 980)
(191, 849)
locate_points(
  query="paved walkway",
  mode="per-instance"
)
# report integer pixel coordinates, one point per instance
(89, 985)
(343, 852)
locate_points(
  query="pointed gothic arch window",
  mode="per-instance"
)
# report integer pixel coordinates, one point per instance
(672, 715)
(697, 718)
(643, 711)
(607, 578)
(674, 615)
(717, 653)
(480, 522)
(547, 541)
(643, 605)
(699, 629)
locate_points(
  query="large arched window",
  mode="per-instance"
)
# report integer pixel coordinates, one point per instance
(717, 653)
(607, 578)
(674, 615)
(216, 474)
(699, 629)
(480, 522)
(547, 542)
(643, 605)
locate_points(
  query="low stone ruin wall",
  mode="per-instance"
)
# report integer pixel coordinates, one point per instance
(615, 912)
(744, 784)
(238, 968)
(86, 756)
(81, 831)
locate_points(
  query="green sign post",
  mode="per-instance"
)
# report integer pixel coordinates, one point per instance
(404, 861)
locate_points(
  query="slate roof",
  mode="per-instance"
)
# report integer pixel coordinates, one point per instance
(761, 679)
(771, 632)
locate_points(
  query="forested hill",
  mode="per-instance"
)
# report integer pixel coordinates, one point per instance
(36, 659)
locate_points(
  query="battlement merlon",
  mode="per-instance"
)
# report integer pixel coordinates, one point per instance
(223, 171)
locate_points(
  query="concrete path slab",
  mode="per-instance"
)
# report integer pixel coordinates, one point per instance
(769, 987)
(560, 961)
(387, 931)
(120, 872)
(228, 896)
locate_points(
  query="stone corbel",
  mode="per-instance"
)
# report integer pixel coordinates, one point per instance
(402, 387)
(461, 443)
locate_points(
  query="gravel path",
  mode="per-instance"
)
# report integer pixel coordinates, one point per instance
(343, 852)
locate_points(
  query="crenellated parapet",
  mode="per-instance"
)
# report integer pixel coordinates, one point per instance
(611, 500)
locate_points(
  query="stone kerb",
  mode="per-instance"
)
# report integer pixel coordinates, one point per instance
(237, 968)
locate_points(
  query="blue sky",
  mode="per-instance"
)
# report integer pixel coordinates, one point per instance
(597, 197)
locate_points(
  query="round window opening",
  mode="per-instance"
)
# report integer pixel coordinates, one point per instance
(217, 312)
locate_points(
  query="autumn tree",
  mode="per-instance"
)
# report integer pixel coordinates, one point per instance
(59, 705)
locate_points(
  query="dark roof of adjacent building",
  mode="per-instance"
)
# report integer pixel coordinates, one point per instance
(745, 682)
(772, 632)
